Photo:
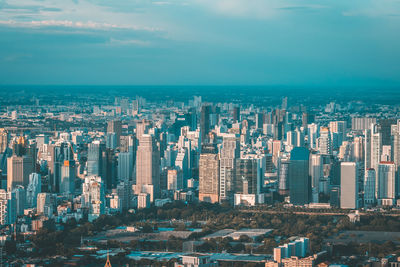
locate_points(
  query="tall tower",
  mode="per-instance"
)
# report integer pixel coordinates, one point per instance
(147, 167)
(18, 171)
(324, 141)
(68, 175)
(209, 175)
(386, 183)
(316, 172)
(115, 127)
(236, 114)
(299, 178)
(369, 187)
(95, 159)
(230, 151)
(205, 122)
(349, 174)
(3, 140)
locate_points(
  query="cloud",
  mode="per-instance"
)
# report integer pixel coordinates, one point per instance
(134, 42)
(75, 24)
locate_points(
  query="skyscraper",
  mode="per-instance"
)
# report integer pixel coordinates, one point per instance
(18, 170)
(248, 180)
(205, 122)
(147, 167)
(230, 151)
(209, 174)
(386, 184)
(93, 196)
(369, 187)
(95, 159)
(8, 207)
(115, 127)
(236, 114)
(373, 147)
(317, 173)
(299, 178)
(33, 189)
(68, 175)
(3, 140)
(349, 190)
(325, 141)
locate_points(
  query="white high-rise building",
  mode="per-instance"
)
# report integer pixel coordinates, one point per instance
(8, 207)
(313, 132)
(317, 173)
(325, 142)
(386, 184)
(230, 151)
(93, 196)
(373, 145)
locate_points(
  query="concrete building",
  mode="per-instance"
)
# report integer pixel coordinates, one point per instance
(349, 190)
(209, 174)
(148, 167)
(230, 151)
(299, 178)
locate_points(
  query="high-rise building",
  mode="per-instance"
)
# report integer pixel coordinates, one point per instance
(58, 154)
(313, 132)
(3, 140)
(385, 126)
(340, 128)
(358, 151)
(46, 204)
(369, 187)
(8, 207)
(93, 196)
(209, 174)
(115, 127)
(68, 175)
(125, 166)
(230, 151)
(205, 122)
(299, 178)
(33, 189)
(147, 167)
(18, 170)
(259, 120)
(325, 141)
(248, 178)
(349, 189)
(373, 147)
(386, 182)
(317, 173)
(95, 159)
(174, 179)
(283, 177)
(361, 124)
(236, 114)
(20, 199)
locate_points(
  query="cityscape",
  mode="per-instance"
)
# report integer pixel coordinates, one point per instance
(134, 180)
(200, 133)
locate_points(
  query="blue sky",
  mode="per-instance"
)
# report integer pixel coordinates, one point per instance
(200, 42)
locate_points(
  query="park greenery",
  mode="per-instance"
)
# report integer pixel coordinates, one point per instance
(213, 217)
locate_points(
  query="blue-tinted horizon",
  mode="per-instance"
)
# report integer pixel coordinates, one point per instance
(288, 43)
